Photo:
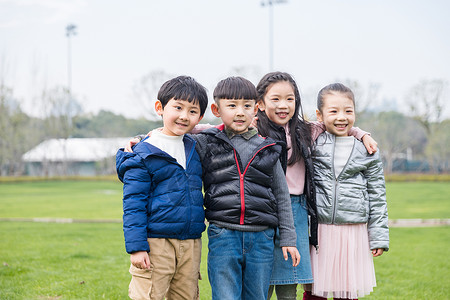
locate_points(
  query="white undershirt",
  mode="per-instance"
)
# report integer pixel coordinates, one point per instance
(172, 145)
(342, 151)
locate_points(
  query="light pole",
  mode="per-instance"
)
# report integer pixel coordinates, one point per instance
(270, 4)
(70, 31)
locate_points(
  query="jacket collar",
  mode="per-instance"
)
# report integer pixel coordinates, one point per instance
(224, 134)
(145, 149)
(246, 135)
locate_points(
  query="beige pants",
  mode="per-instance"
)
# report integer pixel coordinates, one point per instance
(174, 271)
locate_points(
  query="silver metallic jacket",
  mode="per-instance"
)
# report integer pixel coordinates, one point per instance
(357, 195)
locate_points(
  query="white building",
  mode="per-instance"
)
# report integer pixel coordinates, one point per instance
(73, 156)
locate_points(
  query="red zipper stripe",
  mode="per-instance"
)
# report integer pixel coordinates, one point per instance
(241, 181)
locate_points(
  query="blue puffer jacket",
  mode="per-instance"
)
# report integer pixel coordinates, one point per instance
(160, 198)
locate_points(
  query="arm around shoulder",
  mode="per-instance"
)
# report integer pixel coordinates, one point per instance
(316, 129)
(378, 216)
(368, 141)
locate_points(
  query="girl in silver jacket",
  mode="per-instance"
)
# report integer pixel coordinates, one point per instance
(351, 203)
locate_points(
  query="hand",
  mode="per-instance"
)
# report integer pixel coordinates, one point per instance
(140, 260)
(134, 141)
(131, 143)
(200, 127)
(294, 255)
(377, 252)
(370, 143)
(254, 122)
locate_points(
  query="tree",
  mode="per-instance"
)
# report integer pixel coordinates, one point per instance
(13, 132)
(395, 133)
(146, 90)
(59, 109)
(364, 96)
(437, 149)
(426, 101)
(108, 124)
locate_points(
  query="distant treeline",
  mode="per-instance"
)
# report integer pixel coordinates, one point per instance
(403, 140)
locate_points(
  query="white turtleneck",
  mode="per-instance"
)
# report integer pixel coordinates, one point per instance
(172, 145)
(342, 151)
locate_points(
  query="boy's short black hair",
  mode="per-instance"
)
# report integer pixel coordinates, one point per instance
(184, 88)
(235, 88)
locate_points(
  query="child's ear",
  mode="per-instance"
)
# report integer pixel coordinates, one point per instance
(215, 110)
(158, 108)
(261, 105)
(319, 115)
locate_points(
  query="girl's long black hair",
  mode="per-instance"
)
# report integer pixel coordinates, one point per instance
(299, 129)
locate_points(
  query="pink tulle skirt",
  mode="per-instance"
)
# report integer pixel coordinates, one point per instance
(343, 266)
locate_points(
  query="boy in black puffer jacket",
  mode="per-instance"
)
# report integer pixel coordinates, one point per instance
(246, 196)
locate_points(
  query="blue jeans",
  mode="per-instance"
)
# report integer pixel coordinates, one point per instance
(283, 272)
(239, 263)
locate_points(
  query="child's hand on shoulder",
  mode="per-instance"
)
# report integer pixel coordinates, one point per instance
(370, 143)
(377, 252)
(135, 140)
(140, 260)
(294, 255)
(131, 143)
(254, 122)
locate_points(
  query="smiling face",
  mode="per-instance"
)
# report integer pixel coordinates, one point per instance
(236, 114)
(337, 113)
(279, 102)
(179, 116)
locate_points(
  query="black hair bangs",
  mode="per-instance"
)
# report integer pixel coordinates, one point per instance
(184, 88)
(235, 88)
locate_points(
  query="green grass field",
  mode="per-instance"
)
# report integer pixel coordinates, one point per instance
(88, 261)
(61, 199)
(423, 200)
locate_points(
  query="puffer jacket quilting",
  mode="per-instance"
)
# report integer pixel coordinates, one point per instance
(236, 193)
(160, 198)
(357, 195)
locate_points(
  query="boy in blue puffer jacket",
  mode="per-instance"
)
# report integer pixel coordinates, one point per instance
(163, 216)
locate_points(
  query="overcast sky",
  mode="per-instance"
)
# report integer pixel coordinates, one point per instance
(392, 43)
